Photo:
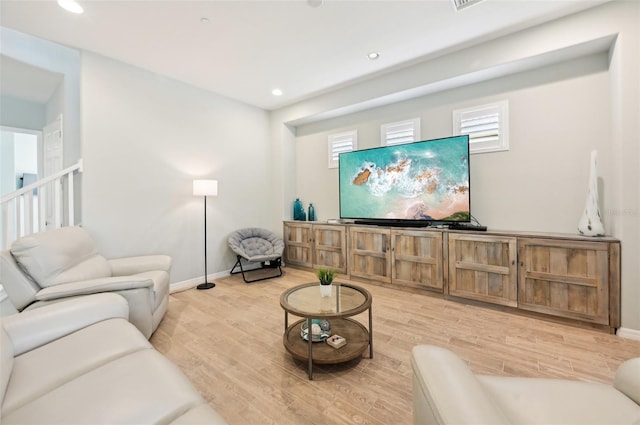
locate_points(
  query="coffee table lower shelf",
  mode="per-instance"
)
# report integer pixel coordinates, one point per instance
(356, 334)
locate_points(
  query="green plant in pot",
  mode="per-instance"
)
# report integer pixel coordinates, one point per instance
(325, 276)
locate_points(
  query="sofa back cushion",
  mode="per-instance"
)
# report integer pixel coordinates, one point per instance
(60, 256)
(6, 361)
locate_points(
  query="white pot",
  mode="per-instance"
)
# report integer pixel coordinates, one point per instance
(325, 290)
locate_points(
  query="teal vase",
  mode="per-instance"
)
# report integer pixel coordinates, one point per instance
(298, 210)
(312, 213)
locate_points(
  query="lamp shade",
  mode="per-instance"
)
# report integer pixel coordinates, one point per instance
(205, 187)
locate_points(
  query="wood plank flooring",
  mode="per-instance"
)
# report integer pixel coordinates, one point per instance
(228, 341)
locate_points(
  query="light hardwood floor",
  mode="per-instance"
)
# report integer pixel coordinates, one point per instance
(228, 341)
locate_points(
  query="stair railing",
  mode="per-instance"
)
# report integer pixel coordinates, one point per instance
(24, 211)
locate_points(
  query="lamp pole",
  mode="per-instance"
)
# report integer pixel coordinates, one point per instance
(204, 188)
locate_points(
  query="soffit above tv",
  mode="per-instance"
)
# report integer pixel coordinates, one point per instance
(598, 45)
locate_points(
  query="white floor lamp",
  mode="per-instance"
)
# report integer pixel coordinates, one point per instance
(205, 188)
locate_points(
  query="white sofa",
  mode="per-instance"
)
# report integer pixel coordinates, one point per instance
(81, 362)
(55, 265)
(445, 391)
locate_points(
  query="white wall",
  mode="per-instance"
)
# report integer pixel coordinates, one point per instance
(614, 96)
(558, 115)
(145, 138)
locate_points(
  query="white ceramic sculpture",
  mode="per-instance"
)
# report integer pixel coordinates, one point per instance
(590, 223)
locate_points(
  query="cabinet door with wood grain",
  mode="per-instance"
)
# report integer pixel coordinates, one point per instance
(298, 239)
(483, 268)
(417, 259)
(329, 244)
(369, 253)
(564, 278)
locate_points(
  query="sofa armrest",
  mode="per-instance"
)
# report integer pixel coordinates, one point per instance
(145, 263)
(627, 379)
(33, 328)
(445, 391)
(93, 286)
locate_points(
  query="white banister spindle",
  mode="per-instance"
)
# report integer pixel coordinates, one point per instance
(27, 228)
(19, 217)
(57, 203)
(42, 208)
(70, 198)
(8, 223)
(22, 213)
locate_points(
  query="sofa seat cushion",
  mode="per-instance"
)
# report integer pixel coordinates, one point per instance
(554, 401)
(51, 259)
(43, 369)
(140, 387)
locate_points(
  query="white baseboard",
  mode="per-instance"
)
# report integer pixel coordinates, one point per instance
(628, 333)
(192, 283)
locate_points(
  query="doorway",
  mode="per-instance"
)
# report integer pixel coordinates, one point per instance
(19, 161)
(18, 157)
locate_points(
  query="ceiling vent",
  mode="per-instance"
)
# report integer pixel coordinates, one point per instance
(463, 4)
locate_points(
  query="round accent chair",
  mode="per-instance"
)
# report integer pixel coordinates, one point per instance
(254, 245)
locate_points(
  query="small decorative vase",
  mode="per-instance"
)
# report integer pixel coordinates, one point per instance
(325, 290)
(298, 210)
(312, 213)
(590, 223)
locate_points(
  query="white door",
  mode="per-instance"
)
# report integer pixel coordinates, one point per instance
(52, 164)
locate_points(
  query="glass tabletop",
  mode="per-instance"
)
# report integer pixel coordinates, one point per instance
(306, 301)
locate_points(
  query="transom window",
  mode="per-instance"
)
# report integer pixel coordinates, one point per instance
(339, 143)
(396, 133)
(486, 125)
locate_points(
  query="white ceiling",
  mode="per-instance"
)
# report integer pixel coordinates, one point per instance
(248, 48)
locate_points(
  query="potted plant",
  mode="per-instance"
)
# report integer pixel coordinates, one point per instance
(326, 278)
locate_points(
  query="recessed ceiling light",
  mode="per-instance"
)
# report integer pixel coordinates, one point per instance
(276, 92)
(373, 55)
(204, 20)
(71, 6)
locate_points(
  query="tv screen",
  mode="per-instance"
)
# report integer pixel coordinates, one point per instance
(417, 182)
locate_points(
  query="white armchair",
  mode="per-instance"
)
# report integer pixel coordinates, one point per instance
(445, 391)
(47, 267)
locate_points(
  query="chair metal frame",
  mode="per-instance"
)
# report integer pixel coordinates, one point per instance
(273, 264)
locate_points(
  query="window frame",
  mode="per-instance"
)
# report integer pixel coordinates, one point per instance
(496, 142)
(414, 123)
(337, 138)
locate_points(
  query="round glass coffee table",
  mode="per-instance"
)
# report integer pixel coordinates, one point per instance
(346, 300)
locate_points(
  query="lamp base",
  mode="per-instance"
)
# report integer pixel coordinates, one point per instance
(206, 285)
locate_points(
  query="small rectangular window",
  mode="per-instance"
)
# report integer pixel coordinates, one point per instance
(339, 143)
(396, 133)
(486, 125)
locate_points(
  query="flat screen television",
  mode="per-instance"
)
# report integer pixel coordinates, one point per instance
(413, 184)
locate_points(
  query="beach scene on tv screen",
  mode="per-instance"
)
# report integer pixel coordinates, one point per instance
(426, 180)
